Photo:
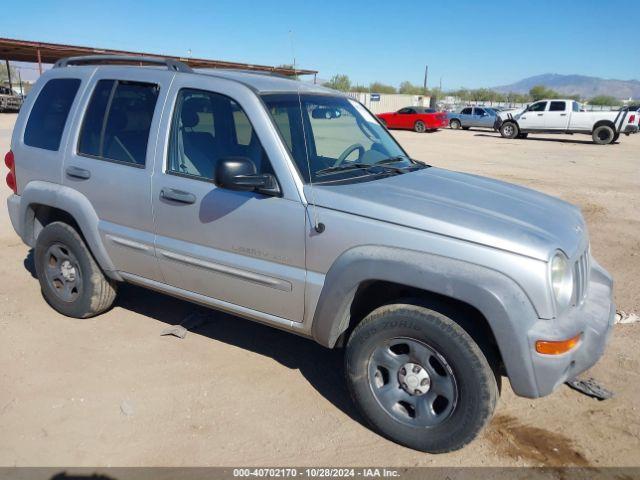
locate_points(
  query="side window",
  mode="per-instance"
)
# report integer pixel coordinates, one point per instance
(557, 107)
(405, 111)
(118, 120)
(207, 127)
(49, 113)
(466, 111)
(538, 107)
(479, 111)
(576, 107)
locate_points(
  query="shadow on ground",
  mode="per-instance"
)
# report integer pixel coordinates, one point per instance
(320, 366)
(542, 139)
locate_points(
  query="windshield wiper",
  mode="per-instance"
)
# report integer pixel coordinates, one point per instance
(343, 167)
(398, 158)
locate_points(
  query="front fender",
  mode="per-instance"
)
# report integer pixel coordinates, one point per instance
(502, 302)
(75, 204)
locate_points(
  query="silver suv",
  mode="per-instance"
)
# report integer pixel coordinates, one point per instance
(290, 204)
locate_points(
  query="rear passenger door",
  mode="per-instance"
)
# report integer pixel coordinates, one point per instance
(111, 161)
(242, 250)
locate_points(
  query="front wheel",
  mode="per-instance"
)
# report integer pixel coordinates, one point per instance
(509, 130)
(420, 127)
(455, 124)
(419, 379)
(603, 135)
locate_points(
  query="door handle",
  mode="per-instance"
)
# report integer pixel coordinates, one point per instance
(540, 114)
(177, 195)
(563, 114)
(77, 172)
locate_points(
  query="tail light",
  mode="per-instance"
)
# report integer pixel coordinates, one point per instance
(632, 119)
(10, 162)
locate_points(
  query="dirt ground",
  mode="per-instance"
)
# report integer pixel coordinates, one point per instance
(110, 391)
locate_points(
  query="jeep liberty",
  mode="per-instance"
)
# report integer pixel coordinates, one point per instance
(290, 204)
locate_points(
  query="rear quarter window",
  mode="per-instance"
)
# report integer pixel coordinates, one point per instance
(49, 113)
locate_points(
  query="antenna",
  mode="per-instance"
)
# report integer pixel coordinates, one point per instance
(318, 227)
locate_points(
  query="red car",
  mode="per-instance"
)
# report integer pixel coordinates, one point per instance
(420, 119)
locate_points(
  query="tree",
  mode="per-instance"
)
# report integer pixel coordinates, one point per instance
(4, 78)
(605, 100)
(378, 87)
(540, 92)
(339, 82)
(409, 88)
(359, 88)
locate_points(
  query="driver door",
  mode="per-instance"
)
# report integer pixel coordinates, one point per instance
(241, 250)
(533, 117)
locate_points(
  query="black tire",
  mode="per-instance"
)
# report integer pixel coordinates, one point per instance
(615, 137)
(70, 279)
(419, 127)
(455, 124)
(603, 135)
(509, 130)
(474, 382)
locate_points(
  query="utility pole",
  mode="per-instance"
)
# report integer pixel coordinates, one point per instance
(426, 74)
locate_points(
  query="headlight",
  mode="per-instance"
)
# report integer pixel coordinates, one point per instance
(561, 280)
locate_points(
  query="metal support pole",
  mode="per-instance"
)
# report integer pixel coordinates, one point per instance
(9, 75)
(20, 80)
(39, 61)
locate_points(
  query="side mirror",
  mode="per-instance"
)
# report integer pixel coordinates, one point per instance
(239, 173)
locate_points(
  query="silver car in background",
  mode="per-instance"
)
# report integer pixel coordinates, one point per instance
(467, 117)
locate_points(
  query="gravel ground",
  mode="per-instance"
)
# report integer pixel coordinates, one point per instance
(110, 391)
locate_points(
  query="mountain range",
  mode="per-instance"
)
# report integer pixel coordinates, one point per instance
(586, 87)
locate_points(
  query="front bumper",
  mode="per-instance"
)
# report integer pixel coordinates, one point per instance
(631, 129)
(593, 320)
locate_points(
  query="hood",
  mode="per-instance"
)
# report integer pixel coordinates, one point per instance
(468, 207)
(515, 113)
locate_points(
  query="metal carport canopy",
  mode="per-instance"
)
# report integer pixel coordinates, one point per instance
(41, 52)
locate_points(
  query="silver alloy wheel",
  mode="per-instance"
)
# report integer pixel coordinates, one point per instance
(455, 124)
(419, 127)
(508, 130)
(62, 272)
(412, 382)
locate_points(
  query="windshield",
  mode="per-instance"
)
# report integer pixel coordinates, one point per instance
(342, 139)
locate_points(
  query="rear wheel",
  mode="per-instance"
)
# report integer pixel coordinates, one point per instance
(70, 279)
(509, 130)
(419, 379)
(420, 127)
(603, 135)
(455, 124)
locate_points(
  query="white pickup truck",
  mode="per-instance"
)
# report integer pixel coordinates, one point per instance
(566, 116)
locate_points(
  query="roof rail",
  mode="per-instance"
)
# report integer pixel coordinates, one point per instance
(171, 64)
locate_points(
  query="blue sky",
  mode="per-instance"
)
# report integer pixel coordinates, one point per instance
(467, 43)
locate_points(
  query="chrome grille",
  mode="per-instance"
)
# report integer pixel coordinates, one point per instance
(581, 277)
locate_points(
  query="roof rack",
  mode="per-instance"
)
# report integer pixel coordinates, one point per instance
(97, 59)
